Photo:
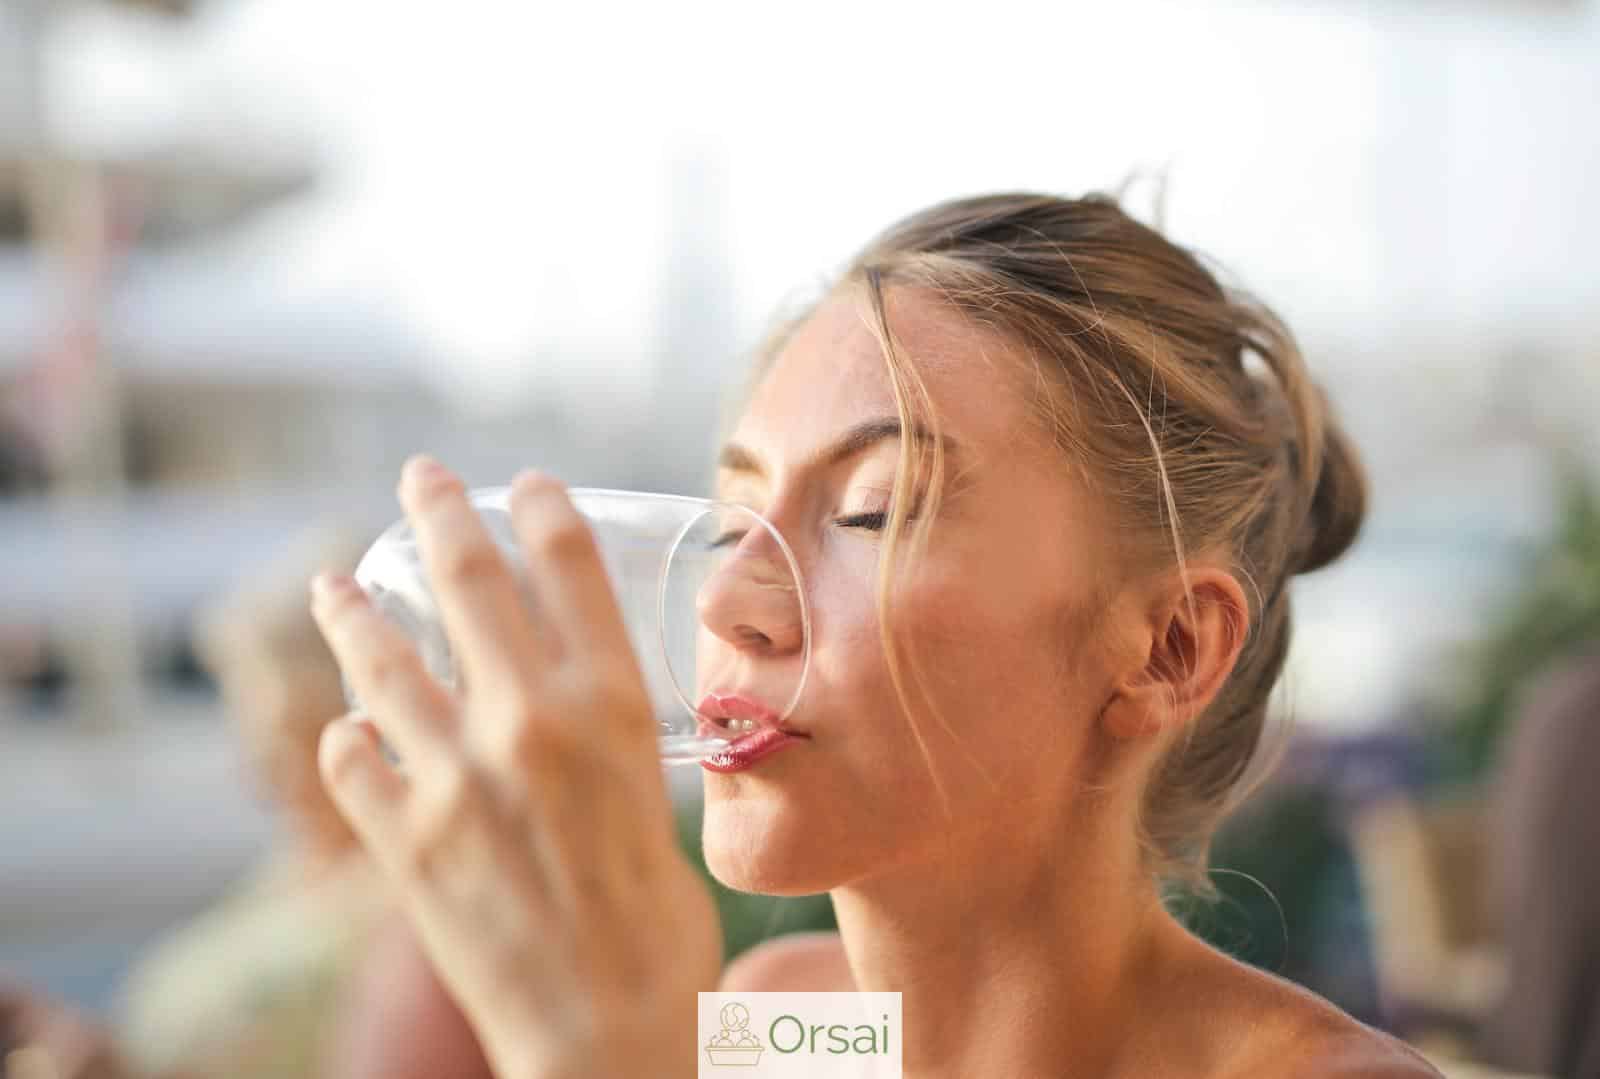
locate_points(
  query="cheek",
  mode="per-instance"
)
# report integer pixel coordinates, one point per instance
(970, 639)
(956, 612)
(997, 666)
(847, 648)
(986, 639)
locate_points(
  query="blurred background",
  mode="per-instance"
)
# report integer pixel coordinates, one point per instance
(253, 253)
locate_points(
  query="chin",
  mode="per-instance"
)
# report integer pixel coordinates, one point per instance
(766, 848)
(774, 847)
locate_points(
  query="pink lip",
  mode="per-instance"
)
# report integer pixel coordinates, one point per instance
(769, 736)
(717, 706)
(750, 748)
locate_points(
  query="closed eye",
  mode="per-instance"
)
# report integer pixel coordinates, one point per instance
(728, 538)
(872, 522)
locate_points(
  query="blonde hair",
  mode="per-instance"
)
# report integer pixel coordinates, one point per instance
(1186, 405)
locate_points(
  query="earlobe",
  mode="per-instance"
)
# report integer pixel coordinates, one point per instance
(1136, 710)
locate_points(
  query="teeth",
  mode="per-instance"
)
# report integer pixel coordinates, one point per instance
(741, 725)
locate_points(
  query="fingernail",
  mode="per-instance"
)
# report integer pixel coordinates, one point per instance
(531, 479)
(424, 469)
(328, 585)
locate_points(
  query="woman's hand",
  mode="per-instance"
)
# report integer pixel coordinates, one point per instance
(529, 831)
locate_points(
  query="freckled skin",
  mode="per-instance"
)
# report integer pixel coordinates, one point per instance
(1019, 924)
(1014, 554)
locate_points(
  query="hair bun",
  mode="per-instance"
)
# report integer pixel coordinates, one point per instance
(1338, 505)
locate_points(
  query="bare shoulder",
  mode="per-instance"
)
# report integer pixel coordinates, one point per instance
(1310, 1037)
(1364, 1053)
(802, 962)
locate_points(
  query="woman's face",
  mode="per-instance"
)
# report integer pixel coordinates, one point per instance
(998, 611)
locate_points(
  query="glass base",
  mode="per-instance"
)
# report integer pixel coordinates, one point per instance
(675, 749)
(688, 748)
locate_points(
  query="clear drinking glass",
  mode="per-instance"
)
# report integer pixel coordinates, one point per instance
(710, 592)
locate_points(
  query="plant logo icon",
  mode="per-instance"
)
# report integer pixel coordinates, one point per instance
(734, 1046)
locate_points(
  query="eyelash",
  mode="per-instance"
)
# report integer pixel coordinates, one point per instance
(871, 522)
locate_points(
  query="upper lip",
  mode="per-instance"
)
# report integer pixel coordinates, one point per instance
(721, 707)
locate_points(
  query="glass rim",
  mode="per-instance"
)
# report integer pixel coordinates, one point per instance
(498, 496)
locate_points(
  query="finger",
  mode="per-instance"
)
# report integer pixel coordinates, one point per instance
(567, 572)
(384, 669)
(368, 792)
(488, 626)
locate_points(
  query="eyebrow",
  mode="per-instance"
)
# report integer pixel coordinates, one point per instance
(863, 436)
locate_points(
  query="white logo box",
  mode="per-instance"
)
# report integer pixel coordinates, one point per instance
(800, 1035)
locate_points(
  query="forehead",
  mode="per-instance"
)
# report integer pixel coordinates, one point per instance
(831, 374)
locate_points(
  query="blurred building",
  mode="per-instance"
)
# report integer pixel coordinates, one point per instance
(253, 254)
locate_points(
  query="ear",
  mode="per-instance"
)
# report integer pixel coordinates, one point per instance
(1193, 638)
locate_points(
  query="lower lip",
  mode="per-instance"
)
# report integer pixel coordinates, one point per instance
(748, 750)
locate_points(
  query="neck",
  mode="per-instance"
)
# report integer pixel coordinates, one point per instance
(1012, 967)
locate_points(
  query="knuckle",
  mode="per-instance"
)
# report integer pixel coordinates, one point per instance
(385, 670)
(470, 562)
(624, 684)
(340, 759)
(422, 858)
(340, 603)
(445, 808)
(535, 735)
(563, 538)
(623, 711)
(614, 689)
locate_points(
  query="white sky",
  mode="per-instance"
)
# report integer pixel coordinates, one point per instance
(498, 179)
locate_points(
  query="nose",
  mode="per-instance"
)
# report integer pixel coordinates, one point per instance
(752, 600)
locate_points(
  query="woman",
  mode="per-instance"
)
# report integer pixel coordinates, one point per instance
(1047, 482)
(250, 987)
(253, 985)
